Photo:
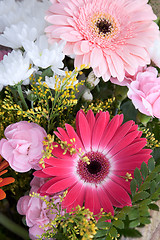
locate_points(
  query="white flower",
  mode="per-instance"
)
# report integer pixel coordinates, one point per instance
(154, 52)
(92, 80)
(87, 95)
(45, 55)
(10, 13)
(31, 13)
(14, 68)
(15, 35)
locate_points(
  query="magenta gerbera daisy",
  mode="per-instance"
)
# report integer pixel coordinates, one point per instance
(113, 151)
(111, 35)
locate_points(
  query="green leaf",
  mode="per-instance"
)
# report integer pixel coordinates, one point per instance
(137, 175)
(144, 220)
(129, 111)
(144, 170)
(134, 224)
(156, 154)
(145, 202)
(134, 214)
(144, 186)
(157, 169)
(102, 225)
(157, 178)
(153, 206)
(101, 233)
(113, 232)
(151, 176)
(152, 187)
(151, 164)
(140, 196)
(133, 186)
(121, 215)
(143, 211)
(155, 196)
(118, 224)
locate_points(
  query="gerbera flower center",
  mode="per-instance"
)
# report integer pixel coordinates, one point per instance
(103, 25)
(96, 170)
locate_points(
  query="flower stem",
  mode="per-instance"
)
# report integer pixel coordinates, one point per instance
(19, 88)
(13, 227)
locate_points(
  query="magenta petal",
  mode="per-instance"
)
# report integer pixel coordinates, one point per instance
(121, 132)
(122, 182)
(84, 131)
(61, 185)
(40, 174)
(110, 131)
(98, 130)
(58, 171)
(89, 198)
(105, 201)
(48, 184)
(72, 134)
(124, 142)
(57, 162)
(91, 119)
(131, 149)
(79, 200)
(118, 193)
(73, 193)
(59, 152)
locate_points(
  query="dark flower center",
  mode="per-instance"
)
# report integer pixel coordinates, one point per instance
(96, 170)
(94, 167)
(104, 26)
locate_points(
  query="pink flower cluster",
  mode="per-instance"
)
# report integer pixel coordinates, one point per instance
(23, 145)
(145, 92)
(36, 210)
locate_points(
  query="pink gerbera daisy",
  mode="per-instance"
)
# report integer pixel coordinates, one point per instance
(113, 150)
(111, 35)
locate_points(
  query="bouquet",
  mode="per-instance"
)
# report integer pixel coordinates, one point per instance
(79, 118)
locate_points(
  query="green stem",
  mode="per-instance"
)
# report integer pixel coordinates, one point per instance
(19, 88)
(13, 227)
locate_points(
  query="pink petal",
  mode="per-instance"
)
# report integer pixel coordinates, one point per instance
(61, 185)
(58, 171)
(40, 174)
(57, 162)
(131, 149)
(105, 201)
(84, 131)
(127, 140)
(73, 193)
(121, 132)
(98, 130)
(72, 134)
(91, 119)
(118, 193)
(110, 131)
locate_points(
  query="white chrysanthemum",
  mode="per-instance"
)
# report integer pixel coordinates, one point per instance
(10, 13)
(15, 35)
(31, 14)
(14, 68)
(45, 55)
(155, 51)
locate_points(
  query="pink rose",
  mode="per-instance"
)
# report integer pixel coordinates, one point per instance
(36, 210)
(23, 145)
(128, 78)
(145, 92)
